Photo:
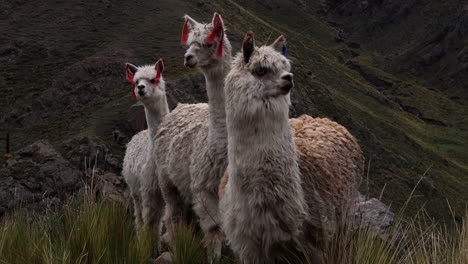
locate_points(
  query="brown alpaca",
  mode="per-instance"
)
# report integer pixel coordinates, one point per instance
(328, 152)
(330, 155)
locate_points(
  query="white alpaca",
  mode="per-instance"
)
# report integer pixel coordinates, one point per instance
(192, 142)
(139, 167)
(263, 206)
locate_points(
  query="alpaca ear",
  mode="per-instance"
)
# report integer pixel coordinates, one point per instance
(248, 46)
(217, 18)
(159, 66)
(218, 30)
(280, 45)
(189, 24)
(130, 71)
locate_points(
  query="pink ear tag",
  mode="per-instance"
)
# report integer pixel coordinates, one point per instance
(221, 44)
(158, 74)
(216, 30)
(129, 77)
(133, 91)
(184, 38)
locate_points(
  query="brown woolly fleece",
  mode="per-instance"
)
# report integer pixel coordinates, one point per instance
(329, 157)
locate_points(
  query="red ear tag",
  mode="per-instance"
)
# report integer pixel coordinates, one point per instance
(129, 77)
(221, 44)
(133, 91)
(215, 30)
(158, 76)
(128, 74)
(184, 38)
(218, 28)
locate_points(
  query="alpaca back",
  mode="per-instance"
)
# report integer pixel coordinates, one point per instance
(329, 157)
(136, 156)
(175, 140)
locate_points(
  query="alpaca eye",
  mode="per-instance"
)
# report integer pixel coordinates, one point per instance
(208, 45)
(152, 81)
(261, 71)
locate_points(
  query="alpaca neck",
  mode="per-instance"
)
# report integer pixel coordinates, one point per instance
(257, 139)
(261, 133)
(254, 142)
(216, 100)
(263, 168)
(155, 113)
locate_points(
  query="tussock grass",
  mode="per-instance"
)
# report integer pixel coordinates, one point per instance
(187, 246)
(410, 241)
(103, 232)
(91, 232)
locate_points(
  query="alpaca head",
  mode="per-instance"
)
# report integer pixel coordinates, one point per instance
(207, 44)
(260, 80)
(148, 84)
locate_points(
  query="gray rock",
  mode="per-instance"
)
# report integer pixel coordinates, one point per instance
(87, 152)
(372, 214)
(165, 258)
(37, 178)
(113, 187)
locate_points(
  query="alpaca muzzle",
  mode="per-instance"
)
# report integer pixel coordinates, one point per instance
(287, 83)
(287, 87)
(190, 61)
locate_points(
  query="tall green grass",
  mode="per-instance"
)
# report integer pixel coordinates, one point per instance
(91, 232)
(103, 232)
(410, 241)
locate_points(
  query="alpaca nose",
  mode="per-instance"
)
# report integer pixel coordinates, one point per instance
(287, 77)
(189, 57)
(141, 87)
(190, 61)
(288, 83)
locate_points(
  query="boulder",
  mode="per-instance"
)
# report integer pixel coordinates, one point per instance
(373, 214)
(90, 152)
(37, 178)
(164, 258)
(111, 186)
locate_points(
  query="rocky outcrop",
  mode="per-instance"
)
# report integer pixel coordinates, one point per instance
(37, 178)
(110, 186)
(87, 152)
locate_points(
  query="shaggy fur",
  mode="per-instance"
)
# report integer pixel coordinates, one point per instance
(175, 141)
(193, 141)
(139, 165)
(329, 157)
(263, 207)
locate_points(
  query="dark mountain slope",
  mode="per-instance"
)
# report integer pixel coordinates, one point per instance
(61, 74)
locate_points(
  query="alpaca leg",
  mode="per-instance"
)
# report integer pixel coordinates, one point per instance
(153, 208)
(137, 210)
(206, 207)
(176, 209)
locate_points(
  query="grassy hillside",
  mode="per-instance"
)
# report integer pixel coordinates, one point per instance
(61, 74)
